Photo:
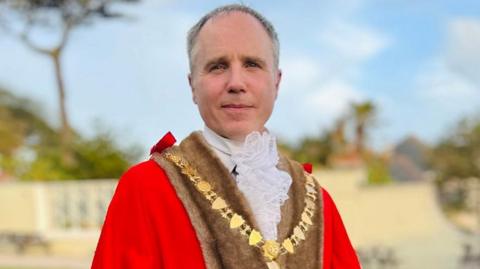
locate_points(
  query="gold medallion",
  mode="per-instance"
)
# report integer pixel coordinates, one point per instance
(287, 244)
(299, 233)
(188, 170)
(310, 204)
(236, 221)
(306, 218)
(254, 238)
(271, 249)
(312, 196)
(219, 203)
(203, 186)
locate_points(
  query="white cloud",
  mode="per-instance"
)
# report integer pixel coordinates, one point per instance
(448, 90)
(300, 73)
(462, 55)
(333, 99)
(352, 42)
(324, 86)
(313, 110)
(451, 82)
(328, 80)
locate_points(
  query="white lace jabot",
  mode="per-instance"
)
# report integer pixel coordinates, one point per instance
(264, 186)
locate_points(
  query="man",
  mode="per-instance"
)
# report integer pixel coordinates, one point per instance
(224, 198)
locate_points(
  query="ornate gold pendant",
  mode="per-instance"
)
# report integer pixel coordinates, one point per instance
(271, 249)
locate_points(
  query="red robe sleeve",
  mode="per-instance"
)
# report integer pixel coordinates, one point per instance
(338, 251)
(146, 225)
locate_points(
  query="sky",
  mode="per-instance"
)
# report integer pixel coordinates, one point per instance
(418, 61)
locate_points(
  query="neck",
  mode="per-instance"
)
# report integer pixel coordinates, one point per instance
(236, 139)
(220, 142)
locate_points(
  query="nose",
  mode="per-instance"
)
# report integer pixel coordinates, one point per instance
(236, 80)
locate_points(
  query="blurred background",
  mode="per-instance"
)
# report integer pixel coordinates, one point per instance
(383, 97)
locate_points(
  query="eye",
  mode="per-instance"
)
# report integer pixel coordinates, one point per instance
(218, 66)
(251, 64)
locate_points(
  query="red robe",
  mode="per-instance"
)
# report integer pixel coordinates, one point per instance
(147, 227)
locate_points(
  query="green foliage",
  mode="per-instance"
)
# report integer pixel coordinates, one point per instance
(363, 112)
(99, 157)
(456, 159)
(30, 148)
(95, 158)
(458, 155)
(43, 168)
(11, 132)
(20, 118)
(311, 150)
(377, 171)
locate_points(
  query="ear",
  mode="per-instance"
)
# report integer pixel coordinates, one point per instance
(190, 82)
(278, 78)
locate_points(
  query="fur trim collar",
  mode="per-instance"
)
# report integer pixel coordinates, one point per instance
(222, 247)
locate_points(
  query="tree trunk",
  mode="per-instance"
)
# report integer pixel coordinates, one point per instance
(360, 137)
(65, 130)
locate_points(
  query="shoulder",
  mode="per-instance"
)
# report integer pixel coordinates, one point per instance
(144, 175)
(145, 168)
(327, 198)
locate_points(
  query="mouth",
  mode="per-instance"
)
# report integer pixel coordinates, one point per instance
(236, 106)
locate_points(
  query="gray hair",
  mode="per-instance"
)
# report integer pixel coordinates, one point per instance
(195, 30)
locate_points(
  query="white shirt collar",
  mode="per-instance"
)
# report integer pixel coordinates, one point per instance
(222, 146)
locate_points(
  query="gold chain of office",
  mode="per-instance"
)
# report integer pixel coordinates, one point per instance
(271, 249)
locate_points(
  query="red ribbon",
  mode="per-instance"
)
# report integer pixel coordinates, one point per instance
(166, 141)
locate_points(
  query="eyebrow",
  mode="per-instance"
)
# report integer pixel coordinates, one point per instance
(258, 60)
(221, 59)
(224, 59)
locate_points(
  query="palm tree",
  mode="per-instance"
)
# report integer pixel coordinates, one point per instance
(363, 114)
(338, 135)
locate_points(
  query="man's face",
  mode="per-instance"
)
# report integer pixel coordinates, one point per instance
(234, 80)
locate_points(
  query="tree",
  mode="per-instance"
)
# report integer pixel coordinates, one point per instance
(363, 114)
(29, 146)
(64, 16)
(456, 161)
(458, 155)
(339, 140)
(377, 170)
(315, 150)
(21, 122)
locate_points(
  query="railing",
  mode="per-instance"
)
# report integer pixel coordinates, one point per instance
(78, 205)
(54, 207)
